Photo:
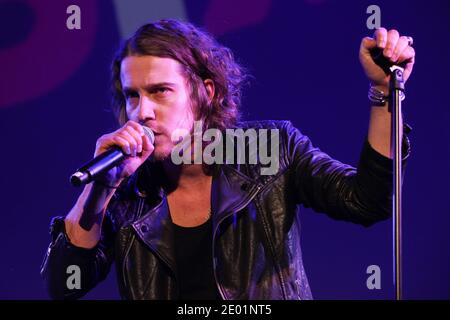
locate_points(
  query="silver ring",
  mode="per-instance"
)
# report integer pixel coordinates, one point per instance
(410, 41)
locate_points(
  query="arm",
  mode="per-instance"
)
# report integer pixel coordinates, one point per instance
(362, 195)
(396, 50)
(91, 250)
(380, 128)
(85, 238)
(83, 223)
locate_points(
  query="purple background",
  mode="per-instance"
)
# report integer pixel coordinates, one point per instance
(304, 57)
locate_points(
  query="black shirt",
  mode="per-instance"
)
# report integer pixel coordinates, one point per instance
(193, 254)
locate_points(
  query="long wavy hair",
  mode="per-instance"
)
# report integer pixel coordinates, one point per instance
(201, 56)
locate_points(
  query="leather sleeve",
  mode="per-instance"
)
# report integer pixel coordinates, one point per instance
(362, 195)
(94, 264)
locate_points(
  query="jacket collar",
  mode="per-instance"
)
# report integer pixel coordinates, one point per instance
(230, 192)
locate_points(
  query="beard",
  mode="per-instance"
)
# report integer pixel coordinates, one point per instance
(164, 145)
(161, 154)
(163, 149)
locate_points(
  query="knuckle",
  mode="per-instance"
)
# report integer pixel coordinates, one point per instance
(102, 140)
(104, 137)
(403, 41)
(380, 30)
(394, 33)
(128, 125)
(132, 124)
(120, 140)
(131, 131)
(130, 141)
(124, 144)
(365, 40)
(120, 131)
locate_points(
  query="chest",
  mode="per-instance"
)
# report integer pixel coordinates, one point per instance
(190, 209)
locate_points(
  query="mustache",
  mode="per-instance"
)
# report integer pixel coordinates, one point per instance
(155, 128)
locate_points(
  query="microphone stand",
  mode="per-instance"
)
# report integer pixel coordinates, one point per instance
(396, 89)
(396, 95)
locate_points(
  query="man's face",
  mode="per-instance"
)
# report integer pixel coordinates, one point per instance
(157, 96)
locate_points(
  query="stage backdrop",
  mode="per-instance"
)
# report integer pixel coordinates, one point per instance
(303, 55)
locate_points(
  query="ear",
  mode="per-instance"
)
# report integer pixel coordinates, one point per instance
(210, 89)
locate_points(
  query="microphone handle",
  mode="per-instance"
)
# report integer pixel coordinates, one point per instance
(102, 163)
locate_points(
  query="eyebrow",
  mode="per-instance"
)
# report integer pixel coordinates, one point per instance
(152, 86)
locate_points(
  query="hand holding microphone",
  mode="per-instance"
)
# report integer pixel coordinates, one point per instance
(117, 155)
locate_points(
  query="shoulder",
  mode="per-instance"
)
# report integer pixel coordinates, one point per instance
(283, 130)
(269, 142)
(264, 124)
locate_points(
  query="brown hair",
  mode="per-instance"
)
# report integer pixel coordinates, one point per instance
(202, 58)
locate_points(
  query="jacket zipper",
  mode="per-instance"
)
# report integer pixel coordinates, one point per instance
(245, 203)
(138, 213)
(271, 248)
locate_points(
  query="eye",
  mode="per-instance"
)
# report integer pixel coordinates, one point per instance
(128, 94)
(161, 91)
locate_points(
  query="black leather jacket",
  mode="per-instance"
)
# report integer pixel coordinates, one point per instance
(256, 227)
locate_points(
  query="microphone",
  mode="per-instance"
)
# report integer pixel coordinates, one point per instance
(102, 163)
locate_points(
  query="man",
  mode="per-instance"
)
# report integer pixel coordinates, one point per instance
(207, 231)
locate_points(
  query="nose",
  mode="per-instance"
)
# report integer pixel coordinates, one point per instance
(146, 109)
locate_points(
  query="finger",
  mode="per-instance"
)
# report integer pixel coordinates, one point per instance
(131, 141)
(147, 146)
(380, 36)
(407, 57)
(122, 143)
(408, 54)
(402, 43)
(136, 126)
(106, 142)
(392, 38)
(368, 43)
(137, 137)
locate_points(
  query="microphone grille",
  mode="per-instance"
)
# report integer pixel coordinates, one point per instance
(149, 133)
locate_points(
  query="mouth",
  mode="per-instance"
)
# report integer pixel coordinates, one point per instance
(155, 132)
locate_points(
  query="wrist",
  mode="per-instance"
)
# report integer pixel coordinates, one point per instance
(378, 95)
(381, 87)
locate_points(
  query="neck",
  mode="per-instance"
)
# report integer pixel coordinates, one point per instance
(185, 176)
